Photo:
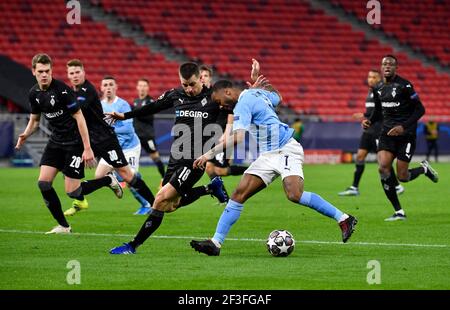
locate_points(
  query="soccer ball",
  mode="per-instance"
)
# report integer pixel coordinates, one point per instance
(280, 243)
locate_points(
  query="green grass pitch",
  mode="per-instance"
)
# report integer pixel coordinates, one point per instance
(414, 254)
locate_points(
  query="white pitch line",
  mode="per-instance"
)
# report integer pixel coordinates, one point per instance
(418, 245)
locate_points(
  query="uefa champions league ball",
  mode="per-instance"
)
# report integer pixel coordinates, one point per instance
(280, 243)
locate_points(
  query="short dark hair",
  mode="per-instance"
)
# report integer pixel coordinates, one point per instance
(189, 69)
(75, 63)
(109, 77)
(206, 68)
(391, 56)
(375, 71)
(222, 84)
(41, 59)
(144, 80)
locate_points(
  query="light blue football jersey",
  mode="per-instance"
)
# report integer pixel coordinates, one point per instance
(255, 112)
(123, 129)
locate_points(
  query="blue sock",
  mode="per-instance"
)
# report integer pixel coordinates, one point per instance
(118, 177)
(229, 216)
(319, 204)
(138, 197)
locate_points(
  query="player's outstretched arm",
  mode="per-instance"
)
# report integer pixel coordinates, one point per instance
(32, 126)
(237, 137)
(358, 116)
(88, 154)
(261, 82)
(257, 80)
(228, 128)
(111, 117)
(256, 69)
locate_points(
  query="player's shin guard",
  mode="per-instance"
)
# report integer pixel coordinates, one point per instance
(322, 206)
(192, 195)
(151, 224)
(236, 170)
(52, 202)
(139, 185)
(389, 182)
(359, 169)
(230, 215)
(93, 185)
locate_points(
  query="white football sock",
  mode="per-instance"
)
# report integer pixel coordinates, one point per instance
(343, 217)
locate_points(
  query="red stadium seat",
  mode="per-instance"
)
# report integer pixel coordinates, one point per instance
(318, 63)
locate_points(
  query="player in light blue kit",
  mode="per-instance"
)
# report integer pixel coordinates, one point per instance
(280, 154)
(126, 135)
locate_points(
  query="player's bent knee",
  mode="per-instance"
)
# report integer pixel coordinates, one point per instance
(165, 201)
(164, 205)
(384, 170)
(239, 195)
(403, 177)
(294, 196)
(209, 169)
(44, 185)
(126, 173)
(221, 171)
(76, 193)
(130, 176)
(360, 158)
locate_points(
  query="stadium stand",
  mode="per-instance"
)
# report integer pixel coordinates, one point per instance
(317, 62)
(424, 28)
(29, 27)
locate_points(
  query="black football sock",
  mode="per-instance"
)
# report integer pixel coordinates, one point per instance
(139, 185)
(77, 194)
(90, 186)
(236, 170)
(359, 169)
(225, 190)
(151, 224)
(192, 195)
(415, 172)
(388, 182)
(395, 177)
(54, 205)
(160, 166)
